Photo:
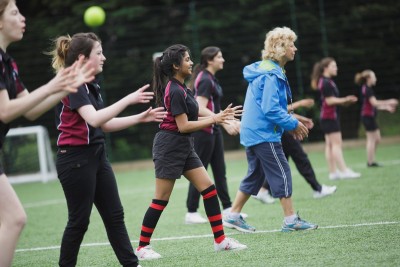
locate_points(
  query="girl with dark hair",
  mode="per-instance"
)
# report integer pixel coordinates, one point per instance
(173, 148)
(16, 101)
(321, 80)
(367, 80)
(82, 165)
(208, 142)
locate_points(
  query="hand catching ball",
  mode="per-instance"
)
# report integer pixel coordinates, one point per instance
(94, 16)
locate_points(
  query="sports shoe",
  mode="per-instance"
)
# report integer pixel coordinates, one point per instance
(238, 224)
(146, 253)
(194, 218)
(264, 197)
(297, 225)
(229, 244)
(374, 164)
(226, 212)
(349, 174)
(326, 190)
(334, 175)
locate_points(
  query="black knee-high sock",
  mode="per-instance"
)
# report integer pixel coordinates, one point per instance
(150, 220)
(213, 211)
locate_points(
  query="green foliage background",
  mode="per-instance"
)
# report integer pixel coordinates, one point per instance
(358, 34)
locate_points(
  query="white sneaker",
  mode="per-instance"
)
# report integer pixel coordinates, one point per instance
(326, 190)
(349, 174)
(146, 253)
(226, 212)
(229, 244)
(194, 218)
(334, 175)
(264, 197)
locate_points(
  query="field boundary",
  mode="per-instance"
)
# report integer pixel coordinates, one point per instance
(240, 153)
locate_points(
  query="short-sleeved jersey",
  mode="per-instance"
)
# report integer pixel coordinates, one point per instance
(73, 129)
(10, 81)
(328, 88)
(178, 99)
(367, 110)
(206, 85)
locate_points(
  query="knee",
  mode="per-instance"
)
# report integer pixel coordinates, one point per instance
(16, 221)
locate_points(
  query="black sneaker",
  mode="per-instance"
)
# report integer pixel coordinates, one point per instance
(373, 164)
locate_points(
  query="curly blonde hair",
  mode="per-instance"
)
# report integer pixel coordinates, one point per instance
(276, 43)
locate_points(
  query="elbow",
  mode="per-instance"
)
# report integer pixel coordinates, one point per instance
(4, 117)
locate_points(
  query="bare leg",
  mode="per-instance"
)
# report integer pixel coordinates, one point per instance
(373, 139)
(337, 154)
(240, 199)
(12, 221)
(164, 188)
(287, 206)
(199, 178)
(328, 154)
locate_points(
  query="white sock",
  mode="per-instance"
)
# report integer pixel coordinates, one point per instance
(290, 219)
(234, 215)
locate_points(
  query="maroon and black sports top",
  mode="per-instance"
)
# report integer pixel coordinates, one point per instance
(10, 81)
(73, 129)
(178, 99)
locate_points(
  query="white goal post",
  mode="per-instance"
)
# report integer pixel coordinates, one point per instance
(42, 153)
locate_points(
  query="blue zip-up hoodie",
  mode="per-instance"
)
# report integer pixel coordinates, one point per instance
(265, 114)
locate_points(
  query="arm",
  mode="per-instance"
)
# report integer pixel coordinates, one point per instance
(307, 103)
(231, 126)
(388, 105)
(272, 107)
(42, 99)
(186, 126)
(150, 115)
(96, 118)
(343, 101)
(306, 121)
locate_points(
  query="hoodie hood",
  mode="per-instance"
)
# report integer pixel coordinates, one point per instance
(252, 71)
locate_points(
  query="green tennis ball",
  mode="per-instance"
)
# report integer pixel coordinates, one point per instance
(94, 16)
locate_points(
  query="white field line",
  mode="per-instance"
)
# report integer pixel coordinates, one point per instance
(206, 236)
(185, 186)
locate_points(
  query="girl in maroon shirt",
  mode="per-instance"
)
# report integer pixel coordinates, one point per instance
(16, 101)
(322, 80)
(367, 80)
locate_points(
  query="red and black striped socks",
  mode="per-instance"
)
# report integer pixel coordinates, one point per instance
(213, 211)
(150, 220)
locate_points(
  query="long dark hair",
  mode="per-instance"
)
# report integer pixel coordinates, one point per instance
(207, 54)
(163, 69)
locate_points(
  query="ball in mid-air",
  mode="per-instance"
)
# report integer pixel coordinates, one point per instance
(94, 16)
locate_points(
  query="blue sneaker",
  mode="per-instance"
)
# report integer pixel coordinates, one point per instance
(238, 224)
(297, 225)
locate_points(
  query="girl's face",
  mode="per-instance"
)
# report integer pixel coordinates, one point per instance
(217, 63)
(96, 58)
(186, 66)
(331, 70)
(12, 24)
(371, 80)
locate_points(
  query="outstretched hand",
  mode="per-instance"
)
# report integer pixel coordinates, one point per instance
(156, 115)
(140, 96)
(300, 132)
(350, 99)
(69, 79)
(229, 113)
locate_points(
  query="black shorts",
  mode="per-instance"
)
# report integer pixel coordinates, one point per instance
(173, 154)
(329, 126)
(370, 124)
(1, 166)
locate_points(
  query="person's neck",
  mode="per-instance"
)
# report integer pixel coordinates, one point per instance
(211, 70)
(179, 78)
(3, 45)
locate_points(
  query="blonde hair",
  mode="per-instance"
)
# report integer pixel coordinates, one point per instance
(67, 49)
(361, 77)
(276, 43)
